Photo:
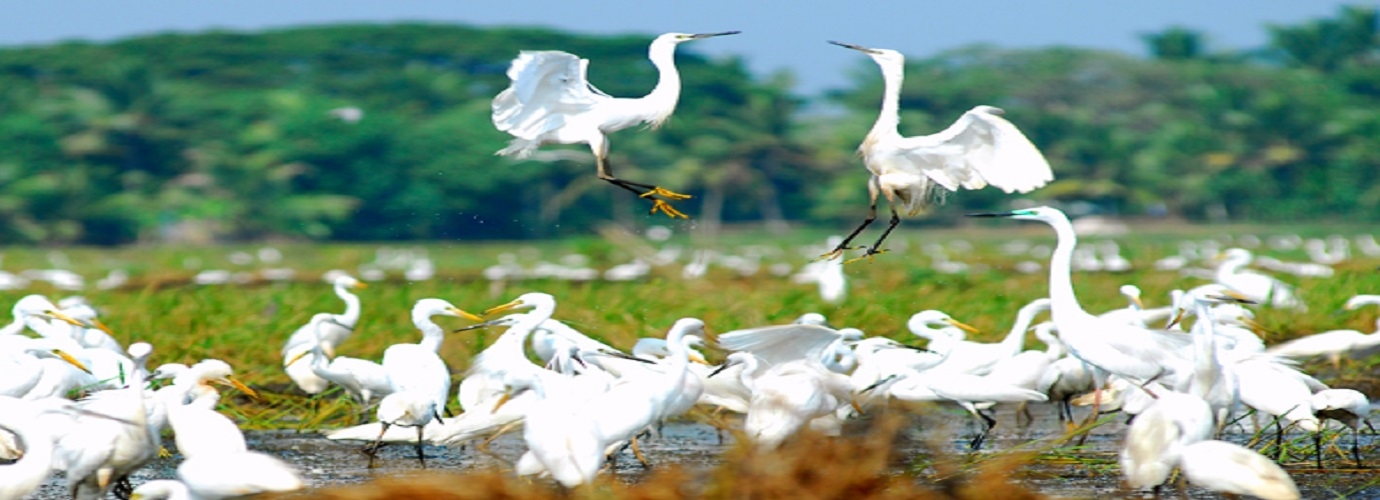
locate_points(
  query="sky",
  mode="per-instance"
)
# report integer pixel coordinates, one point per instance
(777, 35)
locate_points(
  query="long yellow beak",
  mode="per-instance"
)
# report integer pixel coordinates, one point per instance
(101, 326)
(65, 318)
(463, 314)
(505, 307)
(297, 358)
(1137, 302)
(697, 358)
(73, 361)
(1177, 318)
(359, 285)
(230, 381)
(502, 400)
(961, 325)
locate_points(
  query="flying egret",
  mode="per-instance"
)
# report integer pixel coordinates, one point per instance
(980, 148)
(550, 101)
(1232, 468)
(297, 357)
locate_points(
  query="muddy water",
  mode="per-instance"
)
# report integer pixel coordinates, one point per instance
(323, 462)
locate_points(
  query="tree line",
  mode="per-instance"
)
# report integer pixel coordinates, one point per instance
(382, 132)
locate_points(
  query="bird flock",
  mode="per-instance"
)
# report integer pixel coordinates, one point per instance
(1189, 375)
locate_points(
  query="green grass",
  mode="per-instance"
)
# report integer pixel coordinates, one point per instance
(247, 324)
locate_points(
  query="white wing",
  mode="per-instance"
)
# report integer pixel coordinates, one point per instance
(546, 87)
(980, 148)
(781, 343)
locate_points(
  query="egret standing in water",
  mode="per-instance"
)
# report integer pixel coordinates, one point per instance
(550, 101)
(980, 148)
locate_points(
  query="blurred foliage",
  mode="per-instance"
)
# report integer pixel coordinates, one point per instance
(236, 136)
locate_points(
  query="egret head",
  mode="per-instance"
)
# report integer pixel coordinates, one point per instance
(530, 300)
(678, 38)
(883, 57)
(438, 307)
(347, 281)
(1044, 214)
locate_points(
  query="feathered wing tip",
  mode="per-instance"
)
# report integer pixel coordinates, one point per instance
(1016, 164)
(546, 85)
(519, 148)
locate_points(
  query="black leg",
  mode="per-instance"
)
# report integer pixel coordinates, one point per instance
(420, 456)
(372, 450)
(1317, 447)
(838, 250)
(1356, 446)
(987, 424)
(1279, 441)
(876, 248)
(646, 191)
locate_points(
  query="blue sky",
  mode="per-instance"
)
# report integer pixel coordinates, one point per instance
(777, 35)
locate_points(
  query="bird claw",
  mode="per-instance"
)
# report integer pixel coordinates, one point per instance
(870, 252)
(833, 254)
(667, 193)
(667, 209)
(164, 453)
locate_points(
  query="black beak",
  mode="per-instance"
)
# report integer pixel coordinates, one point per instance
(719, 369)
(474, 326)
(884, 380)
(859, 48)
(712, 35)
(617, 354)
(995, 214)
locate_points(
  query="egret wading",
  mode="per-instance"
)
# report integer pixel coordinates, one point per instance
(980, 148)
(550, 101)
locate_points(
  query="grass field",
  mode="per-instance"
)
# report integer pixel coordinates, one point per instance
(246, 324)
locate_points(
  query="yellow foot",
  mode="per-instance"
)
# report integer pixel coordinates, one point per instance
(667, 193)
(667, 209)
(833, 254)
(867, 256)
(164, 453)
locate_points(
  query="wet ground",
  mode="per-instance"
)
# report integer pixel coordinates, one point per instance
(1084, 472)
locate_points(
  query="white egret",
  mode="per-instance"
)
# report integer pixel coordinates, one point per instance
(20, 478)
(560, 440)
(962, 388)
(1348, 406)
(35, 368)
(1066, 376)
(1274, 388)
(1157, 435)
(1231, 468)
(880, 357)
(98, 451)
(420, 379)
(551, 101)
(786, 396)
(297, 357)
(1255, 286)
(1108, 345)
(980, 148)
(978, 358)
(1334, 343)
(216, 463)
(1134, 313)
(363, 379)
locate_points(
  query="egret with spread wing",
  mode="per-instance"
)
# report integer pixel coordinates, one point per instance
(980, 148)
(550, 101)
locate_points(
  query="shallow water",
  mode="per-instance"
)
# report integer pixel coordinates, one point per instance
(324, 462)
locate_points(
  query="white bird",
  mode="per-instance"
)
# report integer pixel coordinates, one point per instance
(363, 379)
(1106, 344)
(297, 357)
(1257, 287)
(1231, 468)
(550, 101)
(978, 358)
(98, 451)
(980, 148)
(962, 388)
(779, 344)
(1333, 343)
(216, 461)
(1348, 406)
(21, 417)
(787, 396)
(1157, 435)
(420, 379)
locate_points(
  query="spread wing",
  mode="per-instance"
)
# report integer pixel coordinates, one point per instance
(980, 148)
(781, 343)
(546, 87)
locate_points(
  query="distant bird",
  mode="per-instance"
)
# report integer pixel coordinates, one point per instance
(980, 148)
(550, 101)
